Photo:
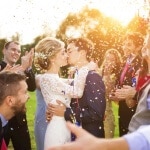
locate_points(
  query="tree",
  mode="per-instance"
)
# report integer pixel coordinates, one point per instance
(2, 42)
(138, 24)
(91, 23)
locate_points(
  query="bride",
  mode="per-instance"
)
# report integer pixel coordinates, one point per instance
(50, 55)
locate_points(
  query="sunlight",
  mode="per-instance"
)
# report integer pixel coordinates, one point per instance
(122, 10)
(34, 17)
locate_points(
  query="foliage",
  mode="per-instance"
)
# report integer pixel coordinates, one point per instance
(105, 32)
(137, 24)
(2, 42)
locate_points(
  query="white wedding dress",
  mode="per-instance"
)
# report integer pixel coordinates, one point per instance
(54, 88)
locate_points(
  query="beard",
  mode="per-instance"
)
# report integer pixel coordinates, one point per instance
(17, 109)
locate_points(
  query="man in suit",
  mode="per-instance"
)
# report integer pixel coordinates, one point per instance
(132, 45)
(88, 110)
(13, 96)
(17, 129)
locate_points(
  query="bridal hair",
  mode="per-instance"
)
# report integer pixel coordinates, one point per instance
(45, 50)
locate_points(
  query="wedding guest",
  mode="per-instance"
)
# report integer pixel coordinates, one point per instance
(110, 71)
(141, 116)
(40, 124)
(132, 45)
(13, 96)
(17, 129)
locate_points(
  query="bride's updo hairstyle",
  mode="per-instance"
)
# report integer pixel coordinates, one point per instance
(45, 50)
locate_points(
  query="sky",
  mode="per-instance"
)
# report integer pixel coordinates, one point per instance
(30, 18)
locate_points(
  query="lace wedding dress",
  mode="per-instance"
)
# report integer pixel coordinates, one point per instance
(54, 88)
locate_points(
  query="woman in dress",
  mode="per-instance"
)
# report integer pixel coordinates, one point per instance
(110, 70)
(40, 124)
(50, 55)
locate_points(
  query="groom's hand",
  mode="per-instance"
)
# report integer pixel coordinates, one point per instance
(58, 109)
(55, 109)
(48, 113)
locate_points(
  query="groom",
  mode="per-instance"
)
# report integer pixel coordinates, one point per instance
(88, 110)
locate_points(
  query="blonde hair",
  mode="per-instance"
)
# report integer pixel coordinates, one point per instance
(118, 59)
(45, 50)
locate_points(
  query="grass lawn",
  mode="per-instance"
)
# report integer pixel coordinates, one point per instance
(31, 106)
(115, 109)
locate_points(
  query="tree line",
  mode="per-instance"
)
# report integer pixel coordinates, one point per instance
(105, 32)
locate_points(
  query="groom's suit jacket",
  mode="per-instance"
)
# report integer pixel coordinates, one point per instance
(89, 110)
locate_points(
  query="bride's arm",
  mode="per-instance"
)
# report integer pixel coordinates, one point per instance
(49, 83)
(67, 81)
(79, 83)
(57, 85)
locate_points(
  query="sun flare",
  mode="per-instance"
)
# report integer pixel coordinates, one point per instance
(33, 17)
(122, 10)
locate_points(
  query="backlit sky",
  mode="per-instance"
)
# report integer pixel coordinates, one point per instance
(31, 18)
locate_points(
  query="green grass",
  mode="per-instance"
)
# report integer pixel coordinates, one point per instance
(115, 110)
(31, 106)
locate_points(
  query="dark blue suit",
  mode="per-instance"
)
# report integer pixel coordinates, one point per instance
(89, 110)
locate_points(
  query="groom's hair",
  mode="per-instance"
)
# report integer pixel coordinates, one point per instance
(83, 44)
